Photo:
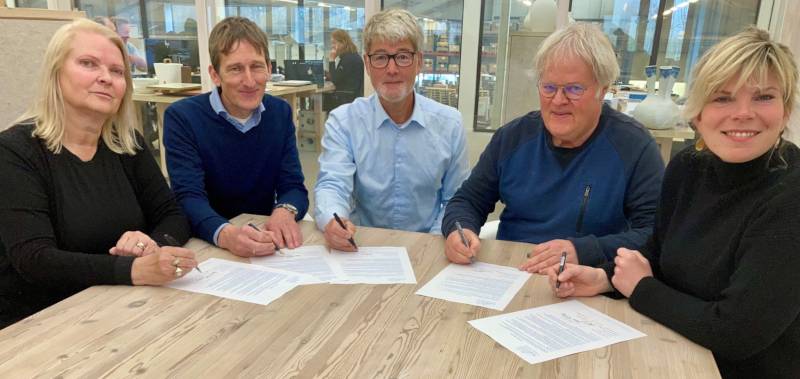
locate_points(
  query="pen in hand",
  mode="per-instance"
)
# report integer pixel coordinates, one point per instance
(171, 241)
(464, 239)
(277, 249)
(561, 265)
(339, 221)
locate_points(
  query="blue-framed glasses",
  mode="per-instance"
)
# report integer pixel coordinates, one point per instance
(571, 91)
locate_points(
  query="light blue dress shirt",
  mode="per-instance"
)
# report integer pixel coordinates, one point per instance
(252, 122)
(381, 174)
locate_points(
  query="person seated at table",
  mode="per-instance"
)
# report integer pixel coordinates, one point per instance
(83, 202)
(346, 71)
(394, 159)
(123, 28)
(576, 177)
(232, 150)
(720, 267)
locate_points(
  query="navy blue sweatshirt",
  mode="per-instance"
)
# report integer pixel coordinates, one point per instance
(603, 198)
(218, 172)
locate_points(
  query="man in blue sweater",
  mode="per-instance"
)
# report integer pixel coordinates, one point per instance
(233, 151)
(576, 177)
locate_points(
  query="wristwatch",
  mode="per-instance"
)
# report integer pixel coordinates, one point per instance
(289, 207)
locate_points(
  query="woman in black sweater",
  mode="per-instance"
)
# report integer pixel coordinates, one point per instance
(722, 263)
(346, 71)
(83, 202)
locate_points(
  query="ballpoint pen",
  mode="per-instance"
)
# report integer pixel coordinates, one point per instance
(277, 249)
(561, 265)
(464, 239)
(339, 221)
(171, 241)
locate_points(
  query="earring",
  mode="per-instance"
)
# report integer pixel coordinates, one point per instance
(699, 144)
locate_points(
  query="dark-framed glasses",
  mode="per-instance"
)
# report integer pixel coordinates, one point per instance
(401, 59)
(571, 91)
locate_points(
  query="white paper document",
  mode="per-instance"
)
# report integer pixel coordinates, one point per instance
(373, 265)
(553, 331)
(313, 260)
(240, 281)
(482, 284)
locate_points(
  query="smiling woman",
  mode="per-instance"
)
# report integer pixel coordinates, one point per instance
(83, 202)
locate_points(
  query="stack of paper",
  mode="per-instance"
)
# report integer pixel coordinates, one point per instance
(482, 284)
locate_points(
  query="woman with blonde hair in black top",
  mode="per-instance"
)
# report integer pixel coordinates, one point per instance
(83, 202)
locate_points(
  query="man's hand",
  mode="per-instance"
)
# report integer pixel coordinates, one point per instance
(547, 254)
(246, 241)
(339, 238)
(457, 252)
(285, 229)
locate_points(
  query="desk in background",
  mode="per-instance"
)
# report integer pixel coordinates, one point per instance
(322, 330)
(290, 94)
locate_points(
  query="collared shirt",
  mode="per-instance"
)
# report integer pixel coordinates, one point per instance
(381, 174)
(250, 123)
(219, 108)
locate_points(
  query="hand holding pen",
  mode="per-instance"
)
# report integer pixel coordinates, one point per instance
(172, 242)
(278, 250)
(462, 245)
(339, 234)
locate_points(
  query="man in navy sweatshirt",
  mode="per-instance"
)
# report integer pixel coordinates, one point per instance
(576, 177)
(233, 151)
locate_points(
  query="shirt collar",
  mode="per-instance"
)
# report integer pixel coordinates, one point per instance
(382, 118)
(219, 108)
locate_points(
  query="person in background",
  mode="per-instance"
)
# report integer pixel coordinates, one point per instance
(721, 265)
(83, 202)
(123, 28)
(233, 151)
(576, 177)
(346, 71)
(394, 159)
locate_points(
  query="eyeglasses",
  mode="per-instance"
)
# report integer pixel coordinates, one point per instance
(571, 91)
(401, 59)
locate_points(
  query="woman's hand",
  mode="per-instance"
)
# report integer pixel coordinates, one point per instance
(577, 280)
(166, 264)
(134, 244)
(631, 267)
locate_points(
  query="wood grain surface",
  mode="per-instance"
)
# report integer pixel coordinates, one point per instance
(321, 331)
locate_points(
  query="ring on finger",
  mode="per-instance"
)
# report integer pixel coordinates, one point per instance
(141, 245)
(176, 262)
(178, 272)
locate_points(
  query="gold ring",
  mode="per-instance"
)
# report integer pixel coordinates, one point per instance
(176, 262)
(178, 272)
(140, 245)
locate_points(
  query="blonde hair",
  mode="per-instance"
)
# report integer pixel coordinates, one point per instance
(392, 25)
(747, 56)
(48, 111)
(343, 38)
(228, 33)
(584, 41)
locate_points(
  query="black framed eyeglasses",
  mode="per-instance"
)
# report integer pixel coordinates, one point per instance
(571, 91)
(401, 59)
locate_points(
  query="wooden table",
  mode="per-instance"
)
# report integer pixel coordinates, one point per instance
(290, 94)
(665, 137)
(323, 331)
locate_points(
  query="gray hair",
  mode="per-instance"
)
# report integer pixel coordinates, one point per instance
(585, 41)
(392, 25)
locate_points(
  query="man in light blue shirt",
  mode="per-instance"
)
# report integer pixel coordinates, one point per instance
(394, 159)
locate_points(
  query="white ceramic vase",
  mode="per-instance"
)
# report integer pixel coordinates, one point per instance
(658, 111)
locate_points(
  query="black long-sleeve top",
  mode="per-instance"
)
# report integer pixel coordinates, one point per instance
(59, 216)
(348, 77)
(725, 254)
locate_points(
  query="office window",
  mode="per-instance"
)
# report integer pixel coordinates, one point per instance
(31, 4)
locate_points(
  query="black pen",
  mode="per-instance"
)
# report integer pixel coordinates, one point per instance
(339, 221)
(171, 241)
(561, 265)
(464, 239)
(250, 224)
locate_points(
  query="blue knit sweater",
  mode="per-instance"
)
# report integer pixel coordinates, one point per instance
(603, 199)
(218, 172)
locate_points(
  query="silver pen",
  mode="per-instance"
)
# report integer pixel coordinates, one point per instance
(464, 239)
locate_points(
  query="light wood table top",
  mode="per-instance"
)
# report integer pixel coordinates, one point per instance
(324, 331)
